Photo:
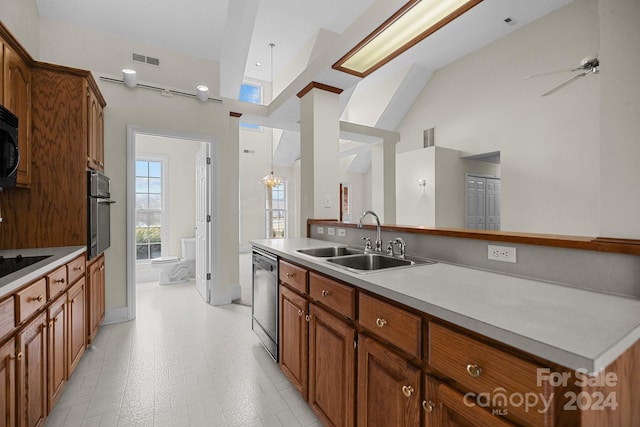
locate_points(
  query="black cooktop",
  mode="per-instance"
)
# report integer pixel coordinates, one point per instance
(11, 265)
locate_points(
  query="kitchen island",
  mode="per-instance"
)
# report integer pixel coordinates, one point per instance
(563, 330)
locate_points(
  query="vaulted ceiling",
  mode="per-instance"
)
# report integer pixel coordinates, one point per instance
(309, 36)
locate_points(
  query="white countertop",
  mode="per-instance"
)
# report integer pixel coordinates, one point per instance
(58, 256)
(575, 328)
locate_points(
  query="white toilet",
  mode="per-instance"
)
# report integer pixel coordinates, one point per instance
(174, 269)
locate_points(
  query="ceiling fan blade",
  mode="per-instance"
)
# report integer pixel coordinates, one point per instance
(548, 73)
(565, 83)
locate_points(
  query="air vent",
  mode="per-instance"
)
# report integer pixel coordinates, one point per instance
(429, 137)
(153, 61)
(149, 60)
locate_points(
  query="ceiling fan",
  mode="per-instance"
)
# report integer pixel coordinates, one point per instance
(588, 65)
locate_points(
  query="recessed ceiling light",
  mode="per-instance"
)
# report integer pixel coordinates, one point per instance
(414, 22)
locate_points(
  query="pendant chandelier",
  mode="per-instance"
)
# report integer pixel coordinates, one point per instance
(271, 180)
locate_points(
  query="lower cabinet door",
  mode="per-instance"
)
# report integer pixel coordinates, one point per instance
(388, 387)
(32, 373)
(446, 407)
(293, 342)
(331, 368)
(8, 384)
(76, 298)
(57, 340)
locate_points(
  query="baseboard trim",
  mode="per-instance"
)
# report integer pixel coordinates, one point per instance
(116, 315)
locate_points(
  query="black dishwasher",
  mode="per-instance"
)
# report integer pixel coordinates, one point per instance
(264, 309)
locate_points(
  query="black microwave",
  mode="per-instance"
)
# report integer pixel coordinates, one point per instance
(9, 152)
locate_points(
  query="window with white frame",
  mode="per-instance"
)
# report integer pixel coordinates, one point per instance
(276, 211)
(150, 207)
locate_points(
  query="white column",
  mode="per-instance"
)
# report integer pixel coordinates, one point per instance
(383, 180)
(319, 153)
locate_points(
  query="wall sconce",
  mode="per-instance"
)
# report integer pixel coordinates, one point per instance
(203, 93)
(129, 78)
(423, 183)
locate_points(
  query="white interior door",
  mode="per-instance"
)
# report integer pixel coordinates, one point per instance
(203, 223)
(475, 206)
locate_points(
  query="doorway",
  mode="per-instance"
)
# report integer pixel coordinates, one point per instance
(169, 197)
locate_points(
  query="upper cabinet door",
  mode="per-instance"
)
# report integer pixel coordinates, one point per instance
(95, 132)
(17, 98)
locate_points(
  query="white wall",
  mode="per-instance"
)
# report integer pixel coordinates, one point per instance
(253, 166)
(441, 203)
(358, 187)
(415, 205)
(21, 18)
(620, 118)
(72, 46)
(181, 176)
(549, 146)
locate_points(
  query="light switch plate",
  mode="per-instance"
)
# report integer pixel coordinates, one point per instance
(320, 230)
(342, 232)
(331, 231)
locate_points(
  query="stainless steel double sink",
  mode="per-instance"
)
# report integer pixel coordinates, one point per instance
(356, 260)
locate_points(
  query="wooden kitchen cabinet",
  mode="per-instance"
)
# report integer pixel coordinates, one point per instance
(388, 387)
(294, 335)
(478, 367)
(95, 296)
(8, 384)
(57, 350)
(17, 99)
(32, 373)
(445, 407)
(77, 318)
(95, 129)
(332, 367)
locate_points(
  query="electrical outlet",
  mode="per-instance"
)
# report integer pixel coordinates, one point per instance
(342, 232)
(320, 230)
(331, 231)
(502, 253)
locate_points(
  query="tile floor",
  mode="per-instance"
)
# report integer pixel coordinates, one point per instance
(180, 363)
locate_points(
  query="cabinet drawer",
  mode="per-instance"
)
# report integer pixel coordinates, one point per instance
(56, 282)
(31, 299)
(294, 276)
(75, 269)
(481, 368)
(341, 298)
(7, 316)
(399, 327)
(443, 405)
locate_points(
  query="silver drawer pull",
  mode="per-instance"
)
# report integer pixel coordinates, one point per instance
(325, 293)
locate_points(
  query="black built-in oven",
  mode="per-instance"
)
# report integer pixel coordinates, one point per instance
(98, 213)
(264, 308)
(9, 150)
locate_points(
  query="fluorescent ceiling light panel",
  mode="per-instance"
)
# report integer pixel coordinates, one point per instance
(411, 24)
